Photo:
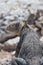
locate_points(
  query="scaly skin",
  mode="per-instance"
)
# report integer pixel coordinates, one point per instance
(15, 27)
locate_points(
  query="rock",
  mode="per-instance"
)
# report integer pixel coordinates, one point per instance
(30, 48)
(10, 45)
(41, 60)
(5, 37)
(41, 13)
(18, 61)
(1, 16)
(10, 18)
(42, 31)
(13, 53)
(40, 19)
(1, 46)
(37, 24)
(4, 54)
(23, 34)
(41, 39)
(9, 48)
(36, 61)
(5, 58)
(12, 41)
(32, 27)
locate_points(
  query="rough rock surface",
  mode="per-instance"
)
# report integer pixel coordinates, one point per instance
(5, 58)
(31, 49)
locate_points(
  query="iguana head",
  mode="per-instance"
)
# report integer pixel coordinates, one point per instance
(15, 27)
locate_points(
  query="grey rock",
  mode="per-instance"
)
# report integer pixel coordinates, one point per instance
(19, 61)
(30, 49)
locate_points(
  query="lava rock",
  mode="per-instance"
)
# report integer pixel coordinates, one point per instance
(18, 61)
(31, 49)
